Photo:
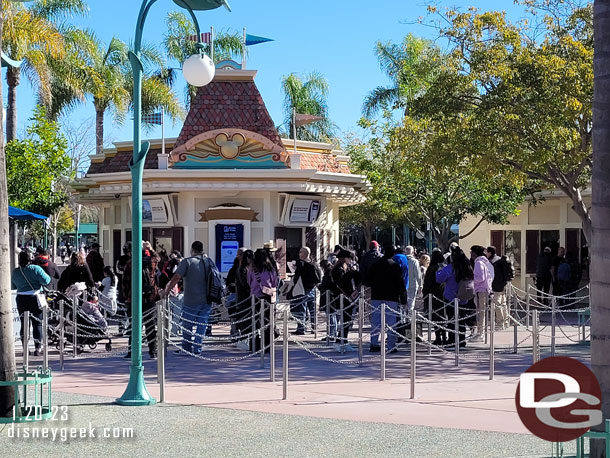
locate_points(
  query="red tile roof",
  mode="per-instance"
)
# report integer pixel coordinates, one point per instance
(120, 162)
(323, 162)
(228, 104)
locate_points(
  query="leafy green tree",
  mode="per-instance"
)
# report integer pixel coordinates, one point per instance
(37, 166)
(34, 35)
(307, 96)
(521, 95)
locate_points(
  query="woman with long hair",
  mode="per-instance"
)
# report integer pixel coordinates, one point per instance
(27, 279)
(242, 293)
(263, 280)
(435, 289)
(108, 290)
(77, 272)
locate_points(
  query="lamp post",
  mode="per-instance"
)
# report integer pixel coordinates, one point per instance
(198, 71)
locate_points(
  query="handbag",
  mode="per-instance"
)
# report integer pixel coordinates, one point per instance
(40, 297)
(297, 289)
(266, 290)
(465, 290)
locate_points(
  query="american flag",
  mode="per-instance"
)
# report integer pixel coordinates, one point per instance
(205, 37)
(153, 118)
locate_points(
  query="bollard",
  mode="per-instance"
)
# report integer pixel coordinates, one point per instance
(535, 337)
(262, 333)
(485, 318)
(161, 349)
(25, 332)
(327, 317)
(553, 324)
(272, 342)
(285, 357)
(342, 336)
(456, 310)
(491, 344)
(74, 326)
(253, 312)
(382, 342)
(45, 338)
(430, 324)
(360, 326)
(516, 337)
(413, 350)
(62, 323)
(527, 307)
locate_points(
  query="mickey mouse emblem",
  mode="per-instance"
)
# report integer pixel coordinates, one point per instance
(229, 149)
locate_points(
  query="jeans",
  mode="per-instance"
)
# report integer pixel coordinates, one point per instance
(27, 303)
(302, 306)
(197, 317)
(390, 321)
(501, 308)
(332, 324)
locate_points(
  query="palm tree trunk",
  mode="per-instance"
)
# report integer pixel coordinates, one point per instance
(600, 244)
(7, 350)
(13, 75)
(99, 130)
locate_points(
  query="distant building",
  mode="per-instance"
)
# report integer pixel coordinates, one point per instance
(228, 180)
(551, 223)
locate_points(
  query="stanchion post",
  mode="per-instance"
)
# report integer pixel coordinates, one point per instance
(45, 338)
(515, 337)
(485, 318)
(553, 324)
(25, 332)
(327, 317)
(74, 326)
(341, 334)
(360, 326)
(413, 350)
(262, 317)
(430, 324)
(382, 342)
(456, 324)
(161, 349)
(527, 306)
(62, 323)
(535, 341)
(491, 343)
(315, 314)
(272, 342)
(285, 357)
(253, 333)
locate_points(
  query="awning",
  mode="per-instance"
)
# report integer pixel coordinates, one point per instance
(23, 215)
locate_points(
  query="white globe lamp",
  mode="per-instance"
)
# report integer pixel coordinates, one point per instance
(198, 70)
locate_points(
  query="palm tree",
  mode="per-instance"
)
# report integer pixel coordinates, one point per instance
(307, 97)
(178, 47)
(600, 243)
(410, 66)
(34, 35)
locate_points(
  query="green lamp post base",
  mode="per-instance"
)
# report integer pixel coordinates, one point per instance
(136, 393)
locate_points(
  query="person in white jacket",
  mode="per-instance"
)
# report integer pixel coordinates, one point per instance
(483, 277)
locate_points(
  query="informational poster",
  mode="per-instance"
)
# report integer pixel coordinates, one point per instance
(153, 211)
(304, 211)
(229, 237)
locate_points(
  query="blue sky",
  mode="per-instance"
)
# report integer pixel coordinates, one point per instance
(333, 37)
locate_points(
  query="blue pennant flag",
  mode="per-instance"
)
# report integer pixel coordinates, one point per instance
(254, 40)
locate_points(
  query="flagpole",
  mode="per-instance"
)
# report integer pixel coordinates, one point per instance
(162, 130)
(294, 127)
(212, 43)
(243, 52)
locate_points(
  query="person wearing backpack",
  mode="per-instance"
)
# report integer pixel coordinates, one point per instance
(504, 272)
(195, 272)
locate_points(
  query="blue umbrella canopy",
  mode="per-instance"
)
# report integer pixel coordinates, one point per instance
(200, 5)
(23, 215)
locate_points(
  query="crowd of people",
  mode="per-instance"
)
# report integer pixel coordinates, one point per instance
(395, 279)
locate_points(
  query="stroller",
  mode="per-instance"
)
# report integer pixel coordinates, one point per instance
(90, 323)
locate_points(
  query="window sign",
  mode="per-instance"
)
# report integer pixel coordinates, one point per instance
(304, 211)
(153, 211)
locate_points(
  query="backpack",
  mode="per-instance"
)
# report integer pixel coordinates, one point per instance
(507, 269)
(465, 290)
(216, 284)
(564, 272)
